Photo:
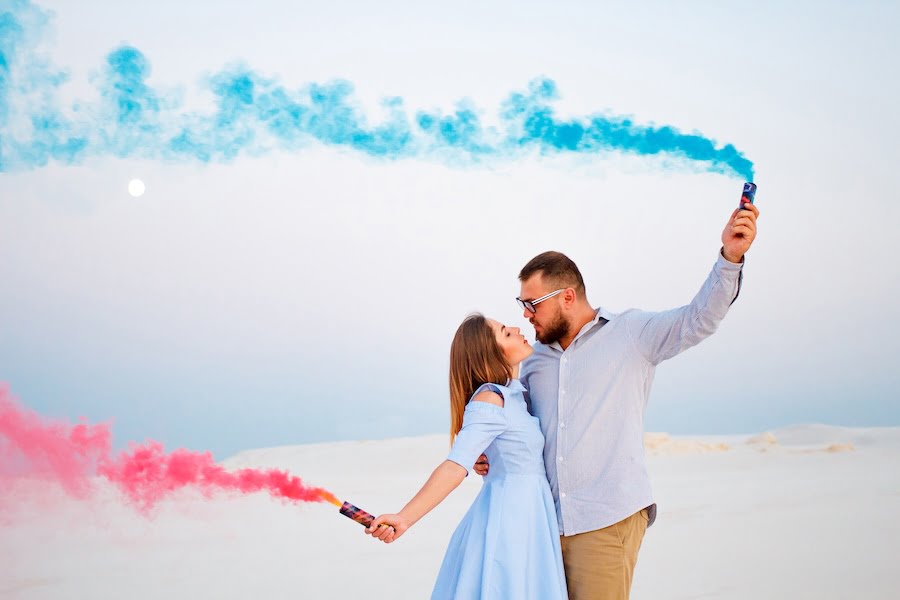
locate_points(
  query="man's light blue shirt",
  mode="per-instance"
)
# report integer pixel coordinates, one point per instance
(590, 400)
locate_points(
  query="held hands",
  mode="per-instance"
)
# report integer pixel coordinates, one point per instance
(388, 528)
(739, 232)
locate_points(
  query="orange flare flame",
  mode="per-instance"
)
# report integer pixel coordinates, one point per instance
(329, 497)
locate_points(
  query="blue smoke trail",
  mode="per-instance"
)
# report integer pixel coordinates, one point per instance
(254, 115)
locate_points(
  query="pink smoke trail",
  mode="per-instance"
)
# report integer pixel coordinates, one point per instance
(32, 446)
(72, 455)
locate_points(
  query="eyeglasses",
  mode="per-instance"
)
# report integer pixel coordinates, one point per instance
(529, 305)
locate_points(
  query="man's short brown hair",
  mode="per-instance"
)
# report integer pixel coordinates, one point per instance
(557, 269)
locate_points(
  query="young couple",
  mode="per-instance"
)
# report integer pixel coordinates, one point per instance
(557, 432)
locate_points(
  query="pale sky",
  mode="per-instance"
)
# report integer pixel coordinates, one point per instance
(310, 294)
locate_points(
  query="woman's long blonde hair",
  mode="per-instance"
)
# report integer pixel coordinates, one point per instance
(475, 359)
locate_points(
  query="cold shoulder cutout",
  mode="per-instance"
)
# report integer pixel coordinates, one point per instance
(489, 397)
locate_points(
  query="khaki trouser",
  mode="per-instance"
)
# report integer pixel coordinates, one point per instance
(600, 564)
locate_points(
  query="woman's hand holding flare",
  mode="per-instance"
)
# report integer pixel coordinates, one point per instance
(388, 528)
(443, 480)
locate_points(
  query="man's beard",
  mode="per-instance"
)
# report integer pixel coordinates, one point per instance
(553, 332)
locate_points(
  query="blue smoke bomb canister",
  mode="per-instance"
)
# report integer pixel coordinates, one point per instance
(749, 193)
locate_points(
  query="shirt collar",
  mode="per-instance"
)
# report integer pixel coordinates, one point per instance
(599, 313)
(515, 385)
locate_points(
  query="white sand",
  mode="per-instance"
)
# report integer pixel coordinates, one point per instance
(804, 512)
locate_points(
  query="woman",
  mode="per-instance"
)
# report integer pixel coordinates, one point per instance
(507, 545)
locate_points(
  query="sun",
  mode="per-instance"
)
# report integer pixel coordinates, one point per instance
(136, 188)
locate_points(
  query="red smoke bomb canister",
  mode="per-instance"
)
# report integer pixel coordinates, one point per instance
(357, 514)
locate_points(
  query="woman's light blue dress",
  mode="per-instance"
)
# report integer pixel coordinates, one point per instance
(507, 545)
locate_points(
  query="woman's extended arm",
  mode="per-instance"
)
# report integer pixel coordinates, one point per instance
(445, 478)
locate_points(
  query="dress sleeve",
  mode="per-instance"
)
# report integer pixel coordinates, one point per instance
(482, 423)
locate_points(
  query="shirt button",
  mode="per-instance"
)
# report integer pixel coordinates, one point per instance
(562, 495)
(561, 425)
(562, 392)
(565, 360)
(560, 459)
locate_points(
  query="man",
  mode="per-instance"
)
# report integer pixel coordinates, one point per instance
(589, 380)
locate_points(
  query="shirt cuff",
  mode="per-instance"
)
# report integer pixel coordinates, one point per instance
(726, 264)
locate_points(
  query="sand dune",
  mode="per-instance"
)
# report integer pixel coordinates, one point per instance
(826, 435)
(806, 518)
(656, 444)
